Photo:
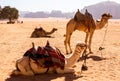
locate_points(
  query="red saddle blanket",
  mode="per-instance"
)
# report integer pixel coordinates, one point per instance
(53, 57)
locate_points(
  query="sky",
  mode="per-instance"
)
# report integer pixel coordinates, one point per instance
(49, 5)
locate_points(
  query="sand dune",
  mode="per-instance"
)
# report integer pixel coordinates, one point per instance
(15, 40)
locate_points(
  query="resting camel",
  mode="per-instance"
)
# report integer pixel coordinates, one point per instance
(40, 32)
(38, 61)
(86, 24)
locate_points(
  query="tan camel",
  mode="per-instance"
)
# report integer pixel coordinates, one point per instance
(28, 66)
(40, 32)
(84, 25)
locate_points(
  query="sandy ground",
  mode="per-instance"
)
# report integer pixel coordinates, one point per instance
(15, 40)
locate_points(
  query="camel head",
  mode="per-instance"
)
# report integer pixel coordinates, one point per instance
(107, 16)
(54, 29)
(80, 46)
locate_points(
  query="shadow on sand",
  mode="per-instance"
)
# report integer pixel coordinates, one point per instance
(93, 57)
(44, 77)
(44, 37)
(96, 58)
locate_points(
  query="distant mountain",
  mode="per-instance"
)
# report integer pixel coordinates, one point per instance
(96, 10)
(53, 13)
(23, 13)
(104, 7)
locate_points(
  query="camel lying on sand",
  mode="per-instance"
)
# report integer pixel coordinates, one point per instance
(40, 32)
(37, 60)
(86, 23)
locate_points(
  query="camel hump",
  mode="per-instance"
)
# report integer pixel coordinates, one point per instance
(88, 15)
(40, 29)
(47, 44)
(79, 17)
(89, 20)
(33, 45)
(86, 19)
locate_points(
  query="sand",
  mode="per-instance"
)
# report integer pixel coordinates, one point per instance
(15, 40)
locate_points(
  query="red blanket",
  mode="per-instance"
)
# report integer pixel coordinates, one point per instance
(53, 57)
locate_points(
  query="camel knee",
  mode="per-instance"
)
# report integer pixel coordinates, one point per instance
(69, 70)
(29, 73)
(16, 72)
(59, 71)
(22, 69)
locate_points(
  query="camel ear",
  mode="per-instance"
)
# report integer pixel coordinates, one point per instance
(47, 44)
(33, 45)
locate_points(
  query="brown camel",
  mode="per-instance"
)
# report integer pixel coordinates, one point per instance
(40, 32)
(84, 23)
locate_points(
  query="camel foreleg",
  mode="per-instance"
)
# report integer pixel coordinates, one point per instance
(67, 42)
(22, 70)
(86, 38)
(90, 41)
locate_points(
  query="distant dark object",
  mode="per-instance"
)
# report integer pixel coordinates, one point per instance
(84, 67)
(19, 22)
(10, 22)
(101, 48)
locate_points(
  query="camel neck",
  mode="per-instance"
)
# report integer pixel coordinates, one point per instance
(101, 24)
(72, 59)
(48, 33)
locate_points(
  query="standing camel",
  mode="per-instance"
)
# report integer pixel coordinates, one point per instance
(82, 24)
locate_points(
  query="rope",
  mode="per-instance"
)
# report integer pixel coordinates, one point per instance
(84, 67)
(101, 47)
(105, 34)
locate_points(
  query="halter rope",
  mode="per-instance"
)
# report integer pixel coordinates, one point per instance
(101, 47)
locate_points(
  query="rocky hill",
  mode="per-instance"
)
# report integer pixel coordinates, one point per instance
(96, 10)
(104, 7)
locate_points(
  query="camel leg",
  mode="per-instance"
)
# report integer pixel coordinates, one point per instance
(23, 70)
(86, 38)
(69, 30)
(90, 40)
(67, 42)
(23, 67)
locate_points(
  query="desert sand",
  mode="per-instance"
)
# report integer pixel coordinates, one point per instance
(15, 40)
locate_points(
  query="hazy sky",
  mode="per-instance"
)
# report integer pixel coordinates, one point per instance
(48, 5)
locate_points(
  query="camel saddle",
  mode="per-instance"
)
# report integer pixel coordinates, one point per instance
(85, 19)
(51, 56)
